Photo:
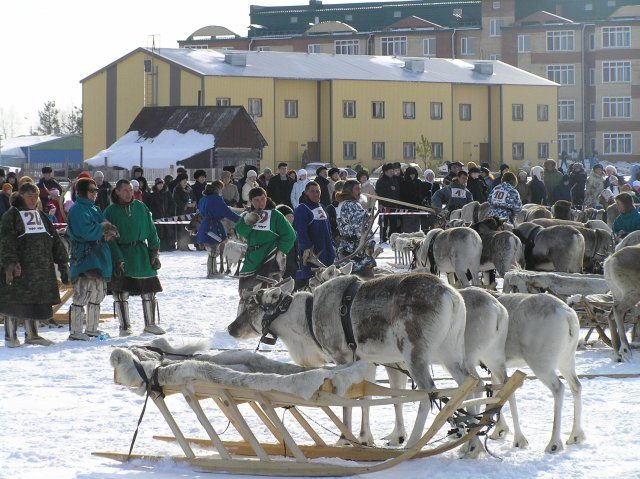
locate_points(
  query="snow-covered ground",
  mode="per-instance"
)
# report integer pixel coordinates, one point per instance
(58, 404)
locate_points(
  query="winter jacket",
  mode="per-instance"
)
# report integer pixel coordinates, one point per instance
(350, 217)
(325, 195)
(478, 189)
(562, 192)
(594, 186)
(231, 195)
(28, 238)
(429, 190)
(104, 193)
(627, 222)
(367, 188)
(455, 196)
(296, 192)
(577, 183)
(198, 190)
(88, 251)
(160, 203)
(279, 190)
(412, 191)
(388, 188)
(137, 235)
(44, 186)
(182, 197)
(144, 184)
(246, 188)
(505, 201)
(552, 179)
(212, 209)
(313, 232)
(273, 232)
(537, 190)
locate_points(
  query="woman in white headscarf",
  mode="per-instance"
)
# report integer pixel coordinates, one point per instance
(298, 188)
(537, 190)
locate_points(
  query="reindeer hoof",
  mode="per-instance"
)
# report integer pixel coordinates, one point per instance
(498, 434)
(521, 443)
(554, 447)
(578, 438)
(343, 442)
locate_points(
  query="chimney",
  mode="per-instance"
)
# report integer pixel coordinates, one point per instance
(415, 66)
(484, 68)
(236, 59)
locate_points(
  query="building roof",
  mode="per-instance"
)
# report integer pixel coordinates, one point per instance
(18, 145)
(543, 17)
(321, 66)
(212, 31)
(330, 27)
(576, 10)
(628, 11)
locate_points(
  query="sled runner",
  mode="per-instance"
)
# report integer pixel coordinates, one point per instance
(320, 389)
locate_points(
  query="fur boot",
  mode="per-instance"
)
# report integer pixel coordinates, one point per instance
(149, 306)
(76, 314)
(121, 305)
(11, 332)
(93, 320)
(212, 270)
(31, 334)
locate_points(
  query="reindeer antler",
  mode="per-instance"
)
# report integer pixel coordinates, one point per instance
(365, 231)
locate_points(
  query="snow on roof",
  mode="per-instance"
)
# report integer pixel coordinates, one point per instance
(14, 146)
(161, 151)
(324, 66)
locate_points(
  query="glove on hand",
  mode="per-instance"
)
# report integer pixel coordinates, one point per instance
(154, 258)
(12, 271)
(64, 273)
(251, 218)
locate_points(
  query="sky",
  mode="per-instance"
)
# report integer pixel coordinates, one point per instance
(46, 48)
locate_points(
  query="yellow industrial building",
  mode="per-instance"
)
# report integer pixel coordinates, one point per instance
(341, 109)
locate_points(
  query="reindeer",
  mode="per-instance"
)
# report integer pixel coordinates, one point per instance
(532, 211)
(455, 250)
(631, 239)
(623, 277)
(233, 253)
(415, 319)
(474, 212)
(557, 248)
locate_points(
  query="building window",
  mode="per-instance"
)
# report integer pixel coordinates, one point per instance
(495, 57)
(566, 142)
(408, 110)
(616, 107)
(347, 47)
(496, 5)
(436, 110)
(291, 108)
(588, 7)
(543, 112)
(468, 46)
(349, 108)
(313, 48)
(592, 41)
(465, 112)
(616, 72)
(563, 74)
(560, 41)
(616, 37)
(349, 150)
(294, 19)
(592, 76)
(524, 43)
(592, 111)
(377, 150)
(566, 110)
(543, 151)
(377, 109)
(196, 47)
(397, 14)
(593, 145)
(495, 27)
(348, 18)
(223, 101)
(436, 150)
(264, 48)
(617, 144)
(429, 47)
(255, 107)
(393, 46)
(517, 112)
(408, 150)
(517, 149)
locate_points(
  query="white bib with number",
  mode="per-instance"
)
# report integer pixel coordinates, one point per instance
(499, 197)
(264, 223)
(319, 214)
(458, 193)
(32, 222)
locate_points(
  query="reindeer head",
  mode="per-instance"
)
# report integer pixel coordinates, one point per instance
(252, 307)
(194, 225)
(322, 275)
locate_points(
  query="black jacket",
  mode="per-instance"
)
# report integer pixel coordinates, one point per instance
(182, 197)
(325, 197)
(538, 191)
(429, 190)
(478, 189)
(388, 188)
(104, 195)
(412, 191)
(160, 203)
(577, 183)
(144, 184)
(280, 190)
(198, 189)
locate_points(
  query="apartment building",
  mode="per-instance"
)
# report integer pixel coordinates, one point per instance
(590, 47)
(342, 109)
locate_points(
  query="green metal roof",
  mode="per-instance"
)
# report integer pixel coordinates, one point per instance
(70, 142)
(365, 17)
(576, 10)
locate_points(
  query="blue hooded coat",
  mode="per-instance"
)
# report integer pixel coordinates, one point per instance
(212, 208)
(311, 223)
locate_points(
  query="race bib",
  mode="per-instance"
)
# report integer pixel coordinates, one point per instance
(458, 193)
(32, 222)
(264, 223)
(499, 197)
(319, 214)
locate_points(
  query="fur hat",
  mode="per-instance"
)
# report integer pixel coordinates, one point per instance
(199, 173)
(229, 168)
(182, 176)
(319, 169)
(333, 171)
(387, 167)
(158, 181)
(503, 167)
(397, 166)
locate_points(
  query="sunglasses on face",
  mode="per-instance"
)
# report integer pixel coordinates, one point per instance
(93, 190)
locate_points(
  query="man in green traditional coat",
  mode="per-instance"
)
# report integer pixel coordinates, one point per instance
(29, 247)
(135, 258)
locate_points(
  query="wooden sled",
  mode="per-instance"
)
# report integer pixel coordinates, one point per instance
(288, 458)
(66, 292)
(595, 312)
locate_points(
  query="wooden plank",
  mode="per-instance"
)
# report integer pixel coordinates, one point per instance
(162, 406)
(340, 425)
(194, 404)
(307, 427)
(286, 436)
(267, 422)
(230, 409)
